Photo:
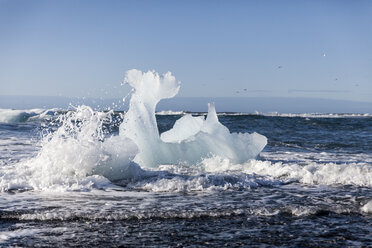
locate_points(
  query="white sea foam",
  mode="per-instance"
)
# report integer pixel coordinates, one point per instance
(11, 115)
(359, 174)
(20, 233)
(200, 152)
(220, 174)
(275, 114)
(58, 215)
(206, 182)
(315, 115)
(78, 153)
(70, 155)
(6, 235)
(367, 208)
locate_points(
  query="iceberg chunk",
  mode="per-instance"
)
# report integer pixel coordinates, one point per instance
(190, 140)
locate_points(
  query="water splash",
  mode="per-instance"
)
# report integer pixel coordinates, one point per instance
(80, 149)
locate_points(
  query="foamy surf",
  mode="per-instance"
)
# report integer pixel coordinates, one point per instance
(15, 115)
(79, 148)
(200, 153)
(91, 177)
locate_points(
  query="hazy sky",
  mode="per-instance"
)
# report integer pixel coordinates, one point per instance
(296, 48)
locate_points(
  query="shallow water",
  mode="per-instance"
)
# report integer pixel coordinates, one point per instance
(311, 187)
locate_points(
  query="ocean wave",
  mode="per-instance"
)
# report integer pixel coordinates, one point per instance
(79, 147)
(170, 112)
(314, 115)
(367, 208)
(213, 174)
(312, 173)
(12, 115)
(110, 213)
(15, 115)
(20, 233)
(288, 115)
(301, 115)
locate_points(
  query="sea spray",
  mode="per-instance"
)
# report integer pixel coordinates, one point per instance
(79, 148)
(68, 155)
(79, 155)
(13, 115)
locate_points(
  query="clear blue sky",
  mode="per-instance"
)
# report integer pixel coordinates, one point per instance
(216, 48)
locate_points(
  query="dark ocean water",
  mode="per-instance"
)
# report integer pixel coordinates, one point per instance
(311, 187)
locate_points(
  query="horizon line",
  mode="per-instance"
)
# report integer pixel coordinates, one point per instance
(201, 97)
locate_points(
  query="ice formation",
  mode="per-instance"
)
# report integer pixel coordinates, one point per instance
(190, 140)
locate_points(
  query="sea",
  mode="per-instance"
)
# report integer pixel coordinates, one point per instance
(311, 185)
(87, 177)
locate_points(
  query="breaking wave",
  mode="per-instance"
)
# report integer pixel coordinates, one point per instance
(315, 115)
(197, 154)
(79, 154)
(11, 115)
